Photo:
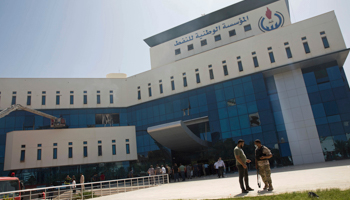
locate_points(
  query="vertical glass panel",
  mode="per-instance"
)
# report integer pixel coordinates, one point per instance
(85, 99)
(256, 63)
(114, 150)
(43, 100)
(185, 81)
(57, 100)
(13, 102)
(149, 91)
(85, 152)
(272, 57)
(139, 94)
(211, 74)
(217, 37)
(289, 52)
(161, 88)
(325, 42)
(98, 99)
(39, 154)
(111, 98)
(54, 153)
(225, 70)
(71, 99)
(99, 150)
(23, 154)
(327, 145)
(127, 149)
(172, 85)
(240, 66)
(29, 100)
(70, 152)
(198, 80)
(306, 47)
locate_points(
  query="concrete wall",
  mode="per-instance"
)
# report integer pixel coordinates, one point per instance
(62, 137)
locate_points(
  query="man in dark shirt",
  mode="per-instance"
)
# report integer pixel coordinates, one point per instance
(176, 173)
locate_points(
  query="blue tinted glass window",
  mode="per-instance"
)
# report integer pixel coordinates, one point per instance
(203, 42)
(71, 99)
(306, 47)
(198, 80)
(70, 152)
(23, 154)
(39, 154)
(185, 81)
(240, 66)
(177, 51)
(85, 99)
(111, 98)
(256, 63)
(247, 28)
(127, 149)
(272, 58)
(113, 141)
(98, 99)
(99, 142)
(172, 85)
(114, 150)
(217, 37)
(54, 153)
(289, 52)
(85, 142)
(99, 150)
(54, 144)
(43, 100)
(29, 100)
(149, 91)
(225, 70)
(190, 47)
(232, 32)
(325, 42)
(43, 92)
(139, 94)
(85, 152)
(57, 100)
(13, 102)
(161, 88)
(70, 143)
(211, 74)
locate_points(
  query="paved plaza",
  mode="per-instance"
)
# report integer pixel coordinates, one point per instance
(288, 179)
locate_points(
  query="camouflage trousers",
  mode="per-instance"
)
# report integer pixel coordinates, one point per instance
(265, 173)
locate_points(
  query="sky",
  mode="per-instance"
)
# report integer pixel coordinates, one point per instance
(89, 39)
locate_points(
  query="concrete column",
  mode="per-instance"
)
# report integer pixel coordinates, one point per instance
(298, 118)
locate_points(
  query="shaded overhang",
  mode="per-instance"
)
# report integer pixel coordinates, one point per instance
(177, 136)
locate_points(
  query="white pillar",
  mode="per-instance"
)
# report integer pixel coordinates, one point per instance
(298, 118)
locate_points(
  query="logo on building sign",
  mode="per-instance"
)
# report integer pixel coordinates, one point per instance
(271, 21)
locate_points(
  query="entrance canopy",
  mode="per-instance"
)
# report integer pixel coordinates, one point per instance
(177, 136)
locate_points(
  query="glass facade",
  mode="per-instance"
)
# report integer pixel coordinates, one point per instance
(329, 97)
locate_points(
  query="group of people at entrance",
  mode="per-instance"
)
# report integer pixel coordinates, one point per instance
(262, 164)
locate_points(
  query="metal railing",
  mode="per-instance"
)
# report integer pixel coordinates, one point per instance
(88, 190)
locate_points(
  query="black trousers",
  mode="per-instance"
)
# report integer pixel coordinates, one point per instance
(221, 172)
(243, 173)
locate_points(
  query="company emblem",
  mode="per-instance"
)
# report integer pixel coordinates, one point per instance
(271, 21)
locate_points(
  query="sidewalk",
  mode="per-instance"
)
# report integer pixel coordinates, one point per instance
(288, 179)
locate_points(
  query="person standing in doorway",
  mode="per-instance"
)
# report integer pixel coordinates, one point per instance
(102, 177)
(176, 173)
(221, 165)
(82, 180)
(182, 171)
(188, 170)
(241, 161)
(262, 164)
(151, 172)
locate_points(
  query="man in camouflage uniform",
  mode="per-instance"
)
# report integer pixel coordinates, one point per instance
(262, 156)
